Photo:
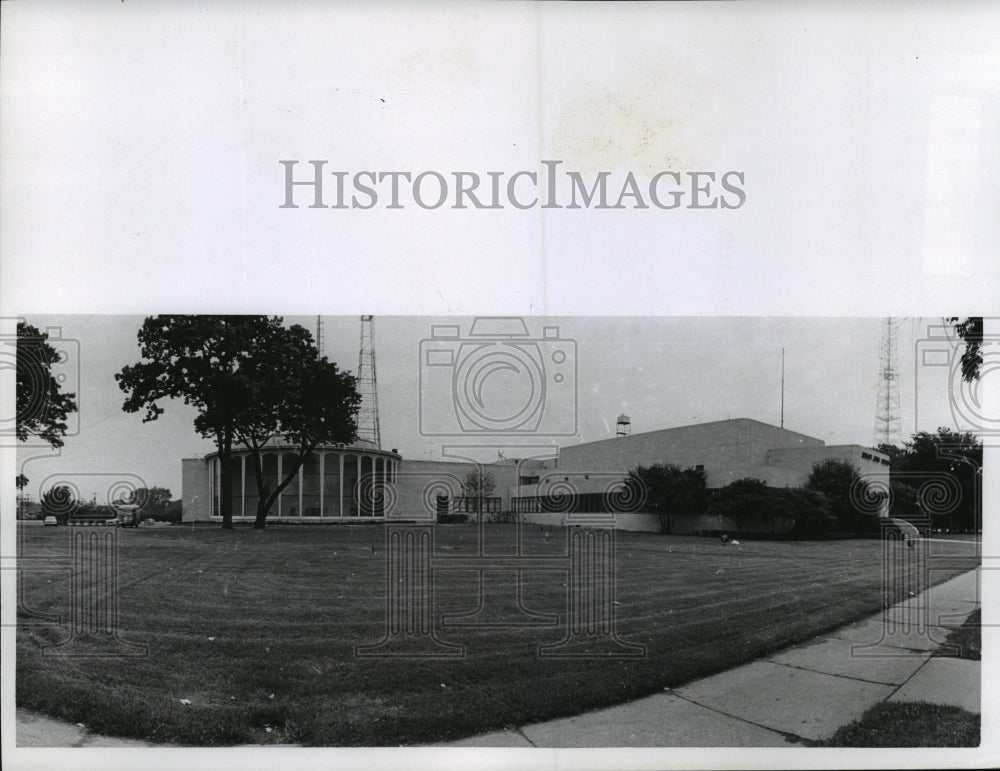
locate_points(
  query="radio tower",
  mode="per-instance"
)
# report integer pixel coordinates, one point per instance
(367, 386)
(888, 425)
(319, 335)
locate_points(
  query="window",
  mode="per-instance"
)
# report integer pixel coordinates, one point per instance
(526, 505)
(491, 505)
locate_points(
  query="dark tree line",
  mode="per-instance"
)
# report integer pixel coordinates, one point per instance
(935, 480)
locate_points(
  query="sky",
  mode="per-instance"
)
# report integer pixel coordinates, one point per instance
(661, 372)
(142, 146)
(141, 174)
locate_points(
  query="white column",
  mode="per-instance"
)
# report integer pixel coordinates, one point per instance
(243, 485)
(322, 480)
(340, 483)
(357, 485)
(302, 512)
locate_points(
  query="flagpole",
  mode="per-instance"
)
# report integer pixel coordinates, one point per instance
(782, 387)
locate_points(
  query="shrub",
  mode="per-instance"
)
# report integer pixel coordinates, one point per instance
(741, 501)
(667, 491)
(811, 511)
(452, 519)
(841, 483)
(750, 500)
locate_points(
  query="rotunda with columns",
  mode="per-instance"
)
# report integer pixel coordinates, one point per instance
(334, 482)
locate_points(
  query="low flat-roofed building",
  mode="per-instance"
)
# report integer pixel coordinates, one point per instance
(361, 482)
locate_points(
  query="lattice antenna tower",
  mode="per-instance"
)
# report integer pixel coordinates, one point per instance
(319, 335)
(888, 423)
(368, 427)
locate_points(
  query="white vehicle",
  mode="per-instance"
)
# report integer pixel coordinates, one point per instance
(128, 515)
(50, 521)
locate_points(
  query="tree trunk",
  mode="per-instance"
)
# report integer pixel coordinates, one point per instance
(263, 507)
(226, 479)
(264, 504)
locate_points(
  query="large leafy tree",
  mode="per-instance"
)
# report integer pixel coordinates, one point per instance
(669, 491)
(743, 500)
(971, 331)
(945, 468)
(292, 392)
(199, 359)
(60, 502)
(892, 450)
(840, 481)
(42, 406)
(810, 510)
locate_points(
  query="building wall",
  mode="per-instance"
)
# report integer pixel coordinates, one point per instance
(728, 449)
(195, 494)
(420, 482)
(638, 522)
(645, 522)
(772, 476)
(800, 461)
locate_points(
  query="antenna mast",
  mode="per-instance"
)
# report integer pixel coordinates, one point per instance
(368, 427)
(888, 425)
(319, 335)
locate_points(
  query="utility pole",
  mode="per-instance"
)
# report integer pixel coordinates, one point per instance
(782, 387)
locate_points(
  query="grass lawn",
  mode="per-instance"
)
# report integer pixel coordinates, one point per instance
(257, 630)
(919, 724)
(910, 724)
(965, 642)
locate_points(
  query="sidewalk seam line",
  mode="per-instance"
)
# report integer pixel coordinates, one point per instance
(883, 645)
(845, 677)
(906, 681)
(786, 734)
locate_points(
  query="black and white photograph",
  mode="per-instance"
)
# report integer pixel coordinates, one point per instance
(469, 385)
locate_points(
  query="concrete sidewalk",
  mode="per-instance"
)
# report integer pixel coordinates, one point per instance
(795, 697)
(34, 730)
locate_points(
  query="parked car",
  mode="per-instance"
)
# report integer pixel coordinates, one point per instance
(50, 521)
